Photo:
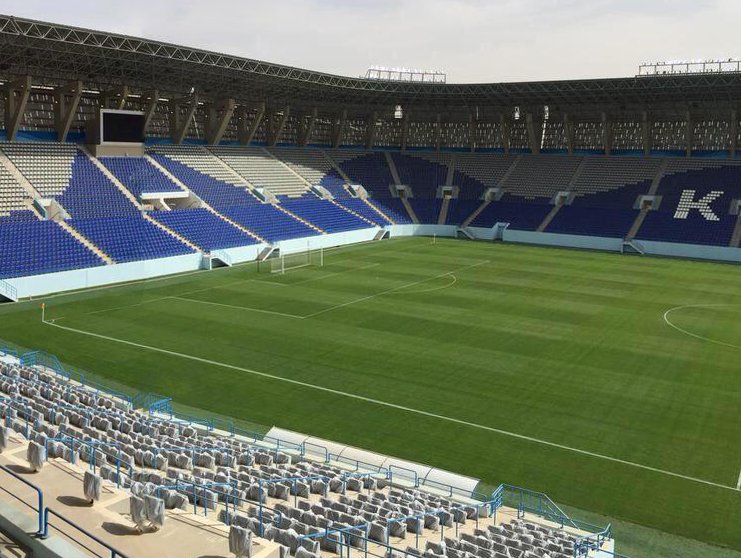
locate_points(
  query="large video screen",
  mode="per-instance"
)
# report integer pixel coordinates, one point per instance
(123, 127)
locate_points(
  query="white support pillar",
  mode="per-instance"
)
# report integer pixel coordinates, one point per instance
(309, 122)
(606, 133)
(338, 134)
(276, 131)
(16, 98)
(246, 130)
(66, 100)
(219, 115)
(179, 121)
(150, 99)
(118, 95)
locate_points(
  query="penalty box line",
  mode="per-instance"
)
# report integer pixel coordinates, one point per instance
(387, 404)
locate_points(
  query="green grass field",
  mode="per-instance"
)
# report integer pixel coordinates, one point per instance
(550, 369)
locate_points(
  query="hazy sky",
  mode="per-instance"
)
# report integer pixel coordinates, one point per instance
(473, 40)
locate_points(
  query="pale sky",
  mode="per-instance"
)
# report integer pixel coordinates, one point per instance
(472, 40)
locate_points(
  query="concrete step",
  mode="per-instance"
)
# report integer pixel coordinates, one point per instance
(358, 215)
(470, 219)
(443, 211)
(87, 243)
(636, 226)
(172, 233)
(304, 221)
(378, 210)
(548, 218)
(410, 211)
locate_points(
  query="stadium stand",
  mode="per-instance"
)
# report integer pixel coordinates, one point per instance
(35, 247)
(13, 198)
(276, 492)
(138, 175)
(261, 169)
(324, 214)
(204, 229)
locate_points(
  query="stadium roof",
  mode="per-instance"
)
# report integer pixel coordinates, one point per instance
(54, 54)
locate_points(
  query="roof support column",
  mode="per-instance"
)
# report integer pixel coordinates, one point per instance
(179, 121)
(150, 99)
(734, 133)
(66, 101)
(16, 98)
(338, 134)
(404, 131)
(646, 133)
(118, 95)
(606, 134)
(308, 127)
(277, 130)
(568, 126)
(370, 129)
(219, 116)
(246, 130)
(532, 133)
(505, 126)
(472, 124)
(438, 133)
(689, 135)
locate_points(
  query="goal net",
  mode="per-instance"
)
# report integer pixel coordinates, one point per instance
(289, 262)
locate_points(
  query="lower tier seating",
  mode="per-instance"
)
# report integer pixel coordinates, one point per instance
(362, 208)
(324, 214)
(204, 229)
(37, 247)
(268, 221)
(128, 239)
(519, 215)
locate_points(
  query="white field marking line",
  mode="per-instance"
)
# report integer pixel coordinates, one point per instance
(369, 297)
(432, 289)
(695, 335)
(394, 406)
(104, 310)
(330, 275)
(246, 308)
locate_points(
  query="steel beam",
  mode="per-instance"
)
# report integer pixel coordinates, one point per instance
(505, 126)
(438, 133)
(404, 130)
(66, 101)
(219, 115)
(16, 97)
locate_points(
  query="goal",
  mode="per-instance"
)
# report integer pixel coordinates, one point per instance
(289, 262)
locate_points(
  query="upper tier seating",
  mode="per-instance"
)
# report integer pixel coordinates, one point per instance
(683, 216)
(200, 159)
(262, 170)
(35, 247)
(324, 214)
(600, 174)
(315, 167)
(541, 176)
(203, 228)
(423, 173)
(366, 168)
(128, 239)
(13, 198)
(47, 166)
(486, 170)
(139, 175)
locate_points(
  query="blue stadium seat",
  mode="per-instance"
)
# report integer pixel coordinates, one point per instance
(203, 228)
(139, 175)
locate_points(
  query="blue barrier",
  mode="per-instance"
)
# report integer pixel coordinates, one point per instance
(45, 533)
(39, 493)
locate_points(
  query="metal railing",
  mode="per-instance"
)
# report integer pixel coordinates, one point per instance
(39, 493)
(45, 533)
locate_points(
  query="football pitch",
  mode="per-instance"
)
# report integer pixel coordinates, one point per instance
(611, 383)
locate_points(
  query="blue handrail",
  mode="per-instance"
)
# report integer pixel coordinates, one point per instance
(45, 533)
(39, 493)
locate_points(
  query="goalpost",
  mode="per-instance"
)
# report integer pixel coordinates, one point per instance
(297, 260)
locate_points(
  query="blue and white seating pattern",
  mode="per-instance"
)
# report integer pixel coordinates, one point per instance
(139, 176)
(204, 229)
